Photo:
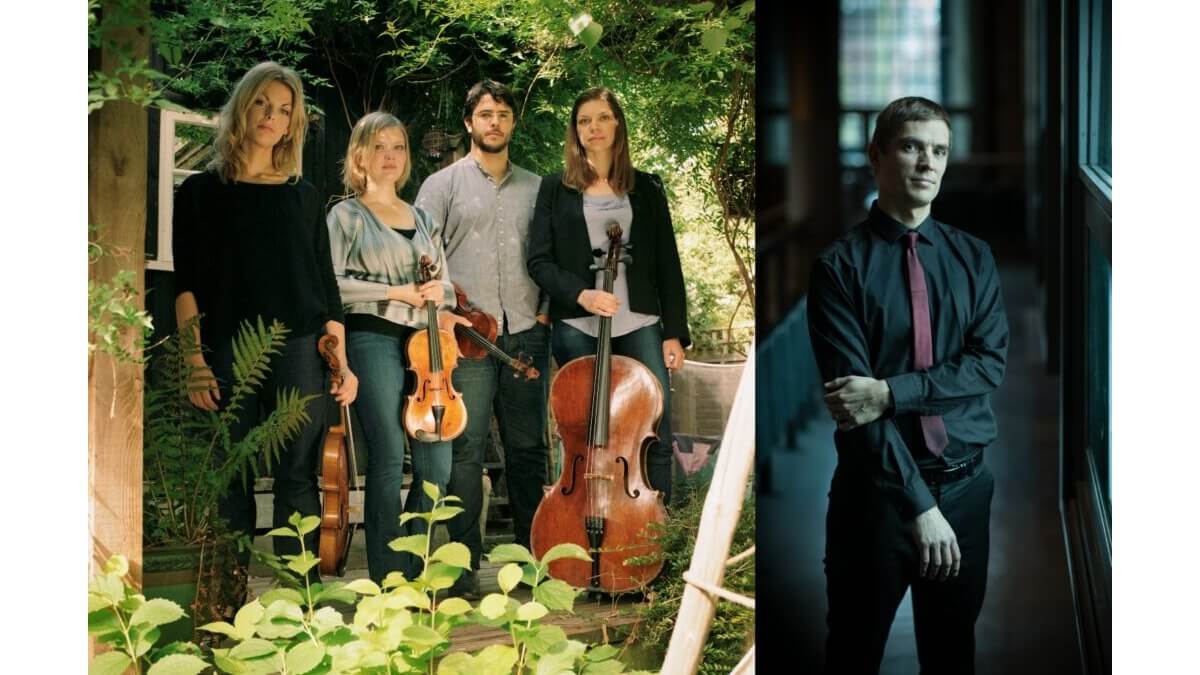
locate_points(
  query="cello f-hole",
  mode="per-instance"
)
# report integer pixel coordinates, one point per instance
(571, 488)
(636, 493)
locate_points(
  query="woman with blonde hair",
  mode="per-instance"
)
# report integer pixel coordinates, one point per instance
(249, 243)
(377, 240)
(599, 186)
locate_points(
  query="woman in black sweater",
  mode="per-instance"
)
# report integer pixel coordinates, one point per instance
(648, 304)
(250, 242)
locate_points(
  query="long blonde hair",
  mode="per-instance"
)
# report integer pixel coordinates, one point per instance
(230, 158)
(354, 175)
(577, 171)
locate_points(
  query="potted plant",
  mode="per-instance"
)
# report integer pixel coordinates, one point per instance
(190, 459)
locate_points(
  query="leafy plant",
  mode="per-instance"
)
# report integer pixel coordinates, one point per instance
(122, 618)
(190, 456)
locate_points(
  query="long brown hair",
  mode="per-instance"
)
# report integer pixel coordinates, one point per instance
(577, 171)
(229, 160)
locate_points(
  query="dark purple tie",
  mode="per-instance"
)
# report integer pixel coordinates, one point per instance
(932, 427)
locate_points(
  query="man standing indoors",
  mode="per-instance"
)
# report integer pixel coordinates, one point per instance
(908, 328)
(485, 203)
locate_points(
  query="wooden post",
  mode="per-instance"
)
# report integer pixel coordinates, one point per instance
(722, 508)
(117, 151)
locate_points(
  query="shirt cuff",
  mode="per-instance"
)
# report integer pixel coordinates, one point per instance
(915, 501)
(906, 392)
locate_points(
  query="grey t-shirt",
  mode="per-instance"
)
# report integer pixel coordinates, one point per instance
(599, 211)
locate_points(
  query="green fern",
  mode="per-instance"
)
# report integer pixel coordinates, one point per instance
(190, 457)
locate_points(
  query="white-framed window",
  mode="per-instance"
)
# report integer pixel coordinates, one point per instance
(185, 145)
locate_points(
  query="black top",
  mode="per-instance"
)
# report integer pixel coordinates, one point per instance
(860, 322)
(247, 250)
(560, 254)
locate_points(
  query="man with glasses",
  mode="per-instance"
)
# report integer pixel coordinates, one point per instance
(485, 203)
(909, 331)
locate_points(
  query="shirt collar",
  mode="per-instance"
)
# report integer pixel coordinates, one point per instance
(892, 230)
(508, 169)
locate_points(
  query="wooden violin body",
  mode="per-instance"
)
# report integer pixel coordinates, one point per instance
(606, 409)
(338, 470)
(479, 340)
(434, 412)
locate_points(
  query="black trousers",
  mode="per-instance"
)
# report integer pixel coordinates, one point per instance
(871, 560)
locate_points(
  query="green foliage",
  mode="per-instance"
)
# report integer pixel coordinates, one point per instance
(401, 626)
(190, 457)
(732, 629)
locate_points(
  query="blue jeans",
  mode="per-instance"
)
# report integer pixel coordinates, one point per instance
(381, 363)
(645, 346)
(489, 387)
(299, 366)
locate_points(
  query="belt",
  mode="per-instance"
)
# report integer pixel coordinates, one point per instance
(954, 472)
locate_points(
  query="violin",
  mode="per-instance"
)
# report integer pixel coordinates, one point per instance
(338, 470)
(479, 340)
(605, 409)
(434, 411)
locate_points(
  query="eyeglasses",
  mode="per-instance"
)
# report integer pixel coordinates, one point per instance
(488, 116)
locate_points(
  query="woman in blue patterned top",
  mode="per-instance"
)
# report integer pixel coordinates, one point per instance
(376, 240)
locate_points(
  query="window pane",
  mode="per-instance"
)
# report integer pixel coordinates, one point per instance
(1099, 371)
(889, 49)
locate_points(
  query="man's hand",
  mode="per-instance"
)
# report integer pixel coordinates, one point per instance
(937, 545)
(854, 401)
(448, 320)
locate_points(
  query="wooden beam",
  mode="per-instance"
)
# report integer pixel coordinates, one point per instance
(117, 175)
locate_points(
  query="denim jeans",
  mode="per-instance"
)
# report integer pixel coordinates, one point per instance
(645, 346)
(489, 387)
(381, 363)
(299, 366)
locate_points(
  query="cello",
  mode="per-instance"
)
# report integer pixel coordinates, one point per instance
(434, 411)
(478, 341)
(606, 409)
(338, 469)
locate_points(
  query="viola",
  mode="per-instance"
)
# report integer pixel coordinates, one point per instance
(434, 411)
(605, 409)
(478, 341)
(338, 471)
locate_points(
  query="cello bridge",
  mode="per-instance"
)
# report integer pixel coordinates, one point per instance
(597, 476)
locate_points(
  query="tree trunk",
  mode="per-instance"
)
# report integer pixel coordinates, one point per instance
(117, 152)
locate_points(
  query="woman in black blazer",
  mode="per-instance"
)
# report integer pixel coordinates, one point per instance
(598, 185)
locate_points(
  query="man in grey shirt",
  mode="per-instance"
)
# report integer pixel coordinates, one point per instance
(485, 204)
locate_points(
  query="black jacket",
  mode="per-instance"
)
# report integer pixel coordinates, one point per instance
(560, 254)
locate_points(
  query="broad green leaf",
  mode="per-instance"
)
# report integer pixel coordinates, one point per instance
(368, 609)
(158, 612)
(590, 36)
(497, 659)
(109, 663)
(602, 653)
(223, 628)
(701, 7)
(431, 490)
(394, 579)
(406, 596)
(531, 611)
(559, 551)
(363, 587)
(281, 620)
(509, 577)
(560, 657)
(423, 635)
(96, 602)
(178, 664)
(117, 564)
(714, 39)
(610, 667)
(453, 607)
(254, 648)
(493, 605)
(455, 554)
(413, 543)
(276, 594)
(103, 621)
(110, 587)
(405, 517)
(544, 637)
(283, 532)
(144, 636)
(304, 657)
(458, 663)
(302, 563)
(247, 617)
(556, 595)
(441, 576)
(511, 553)
(327, 619)
(734, 23)
(444, 513)
(308, 524)
(337, 592)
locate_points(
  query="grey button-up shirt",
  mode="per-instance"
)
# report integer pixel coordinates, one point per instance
(485, 227)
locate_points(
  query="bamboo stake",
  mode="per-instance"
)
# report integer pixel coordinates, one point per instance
(722, 508)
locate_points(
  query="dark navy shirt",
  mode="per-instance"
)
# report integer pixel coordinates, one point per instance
(860, 323)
